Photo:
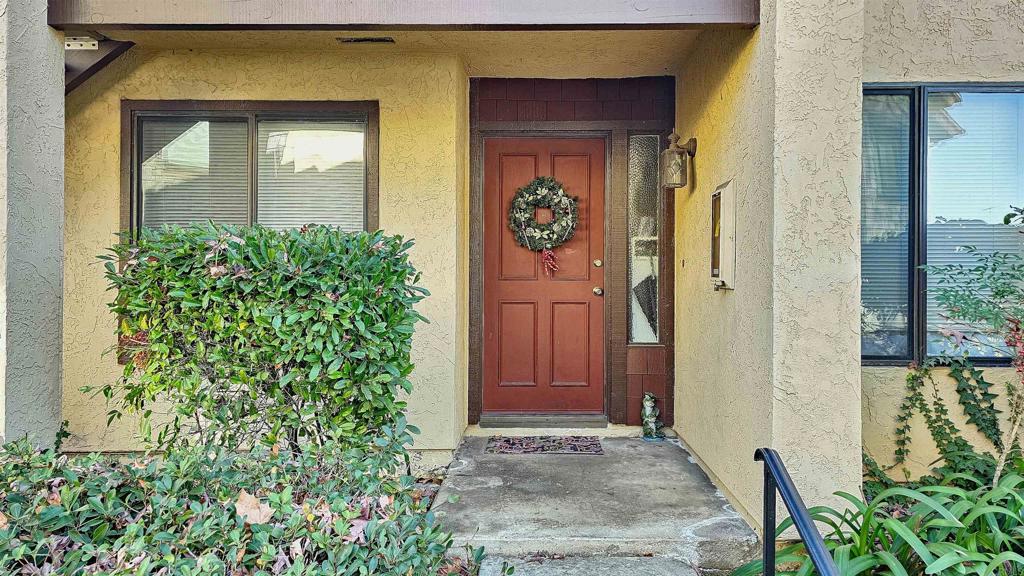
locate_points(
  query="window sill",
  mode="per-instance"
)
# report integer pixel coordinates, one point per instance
(905, 362)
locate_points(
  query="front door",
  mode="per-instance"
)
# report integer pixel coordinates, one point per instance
(544, 334)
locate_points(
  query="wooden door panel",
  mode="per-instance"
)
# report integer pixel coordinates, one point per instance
(543, 335)
(570, 356)
(574, 256)
(516, 263)
(517, 344)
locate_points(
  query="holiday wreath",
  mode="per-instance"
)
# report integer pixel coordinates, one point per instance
(543, 192)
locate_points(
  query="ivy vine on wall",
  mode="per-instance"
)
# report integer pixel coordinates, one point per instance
(923, 397)
(977, 399)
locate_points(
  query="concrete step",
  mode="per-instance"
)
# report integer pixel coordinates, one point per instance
(720, 544)
(589, 566)
(637, 499)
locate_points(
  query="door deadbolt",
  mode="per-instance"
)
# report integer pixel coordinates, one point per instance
(598, 291)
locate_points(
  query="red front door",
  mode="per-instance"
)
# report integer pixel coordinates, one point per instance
(543, 335)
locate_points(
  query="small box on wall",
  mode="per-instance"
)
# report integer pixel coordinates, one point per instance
(723, 237)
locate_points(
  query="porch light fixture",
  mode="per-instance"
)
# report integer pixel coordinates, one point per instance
(673, 161)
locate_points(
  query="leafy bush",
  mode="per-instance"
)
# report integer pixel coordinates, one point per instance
(326, 509)
(256, 335)
(936, 529)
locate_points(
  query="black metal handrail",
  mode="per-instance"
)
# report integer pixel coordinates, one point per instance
(777, 480)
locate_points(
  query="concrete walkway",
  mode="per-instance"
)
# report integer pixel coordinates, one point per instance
(639, 504)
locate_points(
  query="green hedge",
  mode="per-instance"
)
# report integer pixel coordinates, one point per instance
(326, 509)
(261, 336)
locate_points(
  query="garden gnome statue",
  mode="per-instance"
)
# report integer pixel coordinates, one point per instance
(650, 414)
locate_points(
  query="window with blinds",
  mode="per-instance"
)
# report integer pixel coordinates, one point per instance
(971, 145)
(252, 167)
(885, 225)
(194, 170)
(975, 172)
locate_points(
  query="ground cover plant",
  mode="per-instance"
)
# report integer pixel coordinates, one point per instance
(935, 529)
(324, 509)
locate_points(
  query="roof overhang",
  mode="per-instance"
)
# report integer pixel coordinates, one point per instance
(400, 14)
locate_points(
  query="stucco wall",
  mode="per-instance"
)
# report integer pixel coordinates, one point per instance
(774, 362)
(723, 339)
(933, 41)
(423, 181)
(31, 220)
(943, 41)
(816, 270)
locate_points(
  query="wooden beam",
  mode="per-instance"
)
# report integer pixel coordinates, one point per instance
(399, 14)
(80, 65)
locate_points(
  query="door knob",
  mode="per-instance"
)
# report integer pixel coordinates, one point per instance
(598, 291)
(598, 263)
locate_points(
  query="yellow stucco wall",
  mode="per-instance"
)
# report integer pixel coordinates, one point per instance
(774, 362)
(933, 41)
(722, 379)
(943, 41)
(423, 190)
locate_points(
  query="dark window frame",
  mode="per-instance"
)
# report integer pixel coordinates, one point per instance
(249, 111)
(917, 325)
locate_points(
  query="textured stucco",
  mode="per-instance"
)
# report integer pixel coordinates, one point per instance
(526, 53)
(723, 339)
(461, 388)
(816, 280)
(422, 187)
(31, 220)
(774, 362)
(933, 41)
(943, 41)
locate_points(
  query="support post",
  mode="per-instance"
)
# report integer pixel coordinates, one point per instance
(31, 221)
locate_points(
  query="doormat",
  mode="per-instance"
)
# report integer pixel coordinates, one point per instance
(544, 445)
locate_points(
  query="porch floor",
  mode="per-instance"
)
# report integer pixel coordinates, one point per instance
(639, 499)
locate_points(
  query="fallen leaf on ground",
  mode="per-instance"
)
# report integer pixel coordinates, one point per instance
(355, 531)
(252, 509)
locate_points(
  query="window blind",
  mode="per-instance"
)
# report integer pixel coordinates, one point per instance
(193, 170)
(885, 217)
(311, 172)
(975, 172)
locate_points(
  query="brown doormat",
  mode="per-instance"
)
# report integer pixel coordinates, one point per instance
(544, 445)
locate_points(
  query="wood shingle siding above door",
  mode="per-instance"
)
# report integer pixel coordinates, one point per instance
(590, 99)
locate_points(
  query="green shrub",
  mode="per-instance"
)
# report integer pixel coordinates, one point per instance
(935, 529)
(326, 509)
(253, 335)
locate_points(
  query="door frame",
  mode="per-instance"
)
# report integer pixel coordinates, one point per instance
(616, 135)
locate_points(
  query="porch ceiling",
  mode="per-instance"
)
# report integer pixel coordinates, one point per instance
(550, 54)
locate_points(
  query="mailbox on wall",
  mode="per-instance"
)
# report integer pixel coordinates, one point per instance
(723, 237)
